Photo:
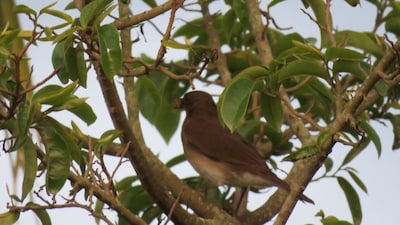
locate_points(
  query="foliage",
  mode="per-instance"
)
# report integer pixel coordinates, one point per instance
(276, 89)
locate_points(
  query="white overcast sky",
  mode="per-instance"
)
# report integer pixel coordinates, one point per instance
(380, 206)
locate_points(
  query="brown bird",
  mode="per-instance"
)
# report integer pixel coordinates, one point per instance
(219, 155)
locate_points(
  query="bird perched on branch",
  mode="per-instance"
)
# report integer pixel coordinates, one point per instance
(219, 155)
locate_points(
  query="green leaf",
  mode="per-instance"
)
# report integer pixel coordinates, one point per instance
(272, 109)
(104, 14)
(58, 59)
(57, 152)
(331, 220)
(395, 120)
(67, 34)
(353, 3)
(24, 9)
(30, 167)
(84, 112)
(41, 214)
(135, 199)
(372, 135)
(352, 199)
(354, 152)
(53, 94)
(175, 45)
(110, 50)
(58, 14)
(309, 48)
(367, 42)
(9, 218)
(303, 67)
(319, 9)
(234, 99)
(93, 9)
(79, 107)
(24, 121)
(358, 181)
(105, 140)
(304, 152)
(343, 54)
(359, 69)
(328, 163)
(7, 38)
(151, 3)
(148, 93)
(175, 160)
(75, 63)
(156, 94)
(234, 104)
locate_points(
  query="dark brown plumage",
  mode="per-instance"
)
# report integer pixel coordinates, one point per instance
(219, 155)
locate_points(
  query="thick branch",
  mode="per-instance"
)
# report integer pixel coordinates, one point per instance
(156, 178)
(258, 28)
(215, 43)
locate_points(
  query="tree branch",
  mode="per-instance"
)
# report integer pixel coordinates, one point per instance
(215, 43)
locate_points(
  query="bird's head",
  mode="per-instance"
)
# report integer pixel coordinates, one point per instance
(197, 103)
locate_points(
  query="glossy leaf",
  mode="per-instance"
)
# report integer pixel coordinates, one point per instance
(53, 94)
(175, 45)
(148, 93)
(136, 199)
(57, 59)
(110, 50)
(58, 155)
(7, 38)
(91, 10)
(67, 34)
(175, 160)
(75, 63)
(234, 100)
(234, 104)
(364, 41)
(304, 152)
(104, 14)
(303, 67)
(272, 109)
(30, 167)
(355, 151)
(105, 139)
(328, 163)
(319, 9)
(358, 181)
(331, 220)
(395, 120)
(151, 3)
(352, 199)
(371, 134)
(79, 107)
(156, 95)
(359, 69)
(343, 53)
(59, 14)
(23, 9)
(9, 218)
(309, 48)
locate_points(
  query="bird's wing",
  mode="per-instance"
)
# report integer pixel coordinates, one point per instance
(218, 143)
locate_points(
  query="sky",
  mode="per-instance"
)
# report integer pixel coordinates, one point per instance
(380, 206)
